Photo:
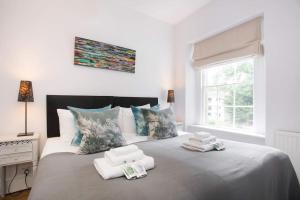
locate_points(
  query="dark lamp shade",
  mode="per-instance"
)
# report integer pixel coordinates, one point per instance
(171, 97)
(25, 92)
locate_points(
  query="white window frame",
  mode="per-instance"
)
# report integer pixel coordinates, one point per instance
(258, 98)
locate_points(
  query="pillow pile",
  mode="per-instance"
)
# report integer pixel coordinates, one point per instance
(95, 130)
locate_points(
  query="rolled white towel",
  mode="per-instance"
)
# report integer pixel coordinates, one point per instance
(124, 150)
(203, 141)
(128, 158)
(201, 135)
(107, 171)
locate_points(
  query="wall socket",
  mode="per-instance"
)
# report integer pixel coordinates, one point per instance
(26, 172)
(19, 181)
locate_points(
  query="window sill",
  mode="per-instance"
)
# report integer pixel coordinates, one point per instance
(241, 136)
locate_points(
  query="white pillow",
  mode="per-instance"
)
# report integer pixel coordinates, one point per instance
(126, 120)
(67, 125)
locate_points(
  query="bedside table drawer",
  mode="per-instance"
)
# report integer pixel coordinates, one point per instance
(15, 158)
(15, 148)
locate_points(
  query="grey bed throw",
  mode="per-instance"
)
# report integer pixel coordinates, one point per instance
(241, 172)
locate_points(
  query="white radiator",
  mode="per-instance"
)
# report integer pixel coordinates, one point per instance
(289, 142)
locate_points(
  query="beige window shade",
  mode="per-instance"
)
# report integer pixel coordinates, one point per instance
(240, 41)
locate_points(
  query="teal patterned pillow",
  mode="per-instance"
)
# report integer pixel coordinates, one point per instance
(89, 110)
(140, 123)
(100, 131)
(78, 135)
(161, 124)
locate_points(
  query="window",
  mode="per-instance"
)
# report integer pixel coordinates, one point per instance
(227, 94)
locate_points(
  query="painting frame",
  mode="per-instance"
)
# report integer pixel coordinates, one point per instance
(91, 53)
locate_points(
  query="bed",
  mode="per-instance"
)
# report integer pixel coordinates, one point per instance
(241, 172)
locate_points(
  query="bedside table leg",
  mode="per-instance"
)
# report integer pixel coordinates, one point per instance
(3, 181)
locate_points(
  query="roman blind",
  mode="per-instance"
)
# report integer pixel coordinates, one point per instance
(240, 41)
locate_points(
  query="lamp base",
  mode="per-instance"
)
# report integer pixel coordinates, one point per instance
(25, 134)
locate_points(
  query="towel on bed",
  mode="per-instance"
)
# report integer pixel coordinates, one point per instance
(218, 145)
(123, 159)
(108, 171)
(201, 135)
(124, 150)
(208, 140)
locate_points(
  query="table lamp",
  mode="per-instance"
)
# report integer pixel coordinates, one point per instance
(171, 97)
(25, 95)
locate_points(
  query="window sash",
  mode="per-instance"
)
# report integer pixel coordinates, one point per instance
(218, 104)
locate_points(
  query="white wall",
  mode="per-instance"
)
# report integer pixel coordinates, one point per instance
(37, 43)
(282, 47)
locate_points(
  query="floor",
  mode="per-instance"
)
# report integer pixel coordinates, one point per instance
(22, 195)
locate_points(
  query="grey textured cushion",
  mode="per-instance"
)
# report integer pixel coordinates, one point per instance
(100, 131)
(161, 123)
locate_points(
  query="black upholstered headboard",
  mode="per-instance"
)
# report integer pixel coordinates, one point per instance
(55, 102)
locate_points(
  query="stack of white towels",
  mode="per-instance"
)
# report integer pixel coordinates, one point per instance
(111, 165)
(203, 141)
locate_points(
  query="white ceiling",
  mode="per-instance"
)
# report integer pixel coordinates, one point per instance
(170, 11)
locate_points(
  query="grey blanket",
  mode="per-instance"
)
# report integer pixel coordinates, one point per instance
(241, 172)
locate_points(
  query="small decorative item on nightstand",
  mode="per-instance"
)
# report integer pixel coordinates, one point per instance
(25, 95)
(14, 151)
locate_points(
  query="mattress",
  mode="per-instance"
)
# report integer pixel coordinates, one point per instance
(241, 172)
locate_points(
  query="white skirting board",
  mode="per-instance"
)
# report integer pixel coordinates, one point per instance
(289, 142)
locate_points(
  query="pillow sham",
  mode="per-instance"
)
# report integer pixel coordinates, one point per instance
(100, 131)
(161, 124)
(67, 126)
(77, 135)
(140, 123)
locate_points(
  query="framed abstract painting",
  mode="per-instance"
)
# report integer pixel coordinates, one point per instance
(91, 53)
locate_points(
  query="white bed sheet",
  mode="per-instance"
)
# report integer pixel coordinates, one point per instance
(57, 145)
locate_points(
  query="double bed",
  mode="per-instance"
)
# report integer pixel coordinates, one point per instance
(241, 172)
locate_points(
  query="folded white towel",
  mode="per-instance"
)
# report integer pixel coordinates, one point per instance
(128, 158)
(107, 171)
(218, 145)
(203, 148)
(124, 150)
(202, 135)
(203, 141)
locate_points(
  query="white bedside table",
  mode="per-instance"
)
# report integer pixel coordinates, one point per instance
(17, 150)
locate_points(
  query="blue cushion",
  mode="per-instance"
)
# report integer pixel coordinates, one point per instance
(78, 135)
(141, 125)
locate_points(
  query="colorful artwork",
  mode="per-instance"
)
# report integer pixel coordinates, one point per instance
(105, 56)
